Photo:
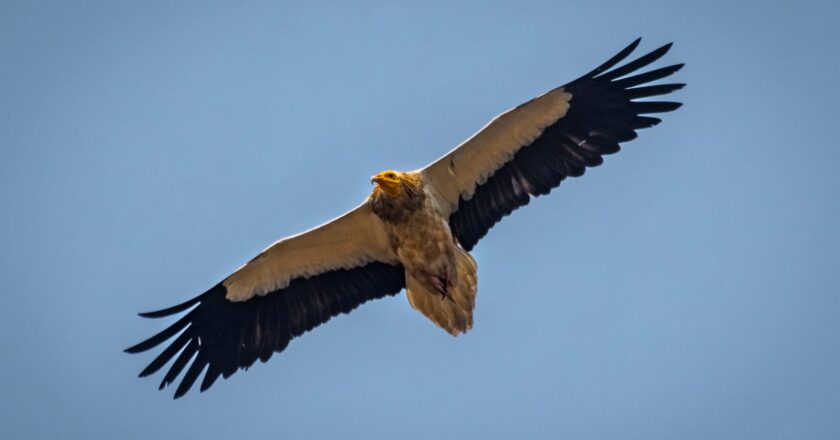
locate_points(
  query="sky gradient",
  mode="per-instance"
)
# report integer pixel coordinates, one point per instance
(686, 289)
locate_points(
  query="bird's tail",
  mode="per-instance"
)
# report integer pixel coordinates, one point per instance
(454, 311)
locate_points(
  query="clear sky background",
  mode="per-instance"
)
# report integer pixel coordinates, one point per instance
(686, 289)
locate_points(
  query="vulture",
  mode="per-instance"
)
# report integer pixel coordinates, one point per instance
(414, 231)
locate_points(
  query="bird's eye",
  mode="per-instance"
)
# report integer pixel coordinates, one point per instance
(391, 175)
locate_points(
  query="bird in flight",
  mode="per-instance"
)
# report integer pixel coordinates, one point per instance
(414, 231)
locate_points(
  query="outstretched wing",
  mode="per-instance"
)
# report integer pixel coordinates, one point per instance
(530, 149)
(293, 286)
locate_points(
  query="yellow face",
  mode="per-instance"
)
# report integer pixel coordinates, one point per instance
(388, 181)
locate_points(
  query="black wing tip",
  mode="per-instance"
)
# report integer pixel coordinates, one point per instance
(606, 69)
(634, 65)
(138, 348)
(647, 107)
(188, 380)
(617, 58)
(672, 87)
(661, 51)
(672, 69)
(208, 382)
(184, 305)
(623, 53)
(149, 370)
(169, 311)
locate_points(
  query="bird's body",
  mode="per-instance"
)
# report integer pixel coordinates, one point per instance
(414, 231)
(436, 267)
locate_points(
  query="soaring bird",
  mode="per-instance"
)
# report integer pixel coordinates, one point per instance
(414, 231)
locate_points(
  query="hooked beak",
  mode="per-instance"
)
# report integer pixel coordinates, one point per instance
(375, 179)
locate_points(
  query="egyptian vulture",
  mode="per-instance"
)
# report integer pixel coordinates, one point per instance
(414, 231)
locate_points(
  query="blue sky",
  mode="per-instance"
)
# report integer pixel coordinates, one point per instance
(685, 289)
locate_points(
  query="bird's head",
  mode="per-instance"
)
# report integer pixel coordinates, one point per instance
(390, 182)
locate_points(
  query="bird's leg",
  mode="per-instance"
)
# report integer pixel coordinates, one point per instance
(442, 284)
(448, 278)
(444, 294)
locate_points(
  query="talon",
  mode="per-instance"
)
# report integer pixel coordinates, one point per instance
(442, 285)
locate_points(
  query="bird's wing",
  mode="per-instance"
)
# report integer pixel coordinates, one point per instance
(530, 149)
(293, 286)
